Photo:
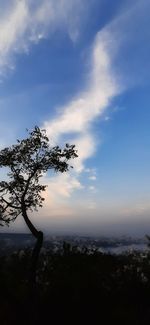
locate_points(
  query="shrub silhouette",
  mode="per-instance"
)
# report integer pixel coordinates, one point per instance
(77, 288)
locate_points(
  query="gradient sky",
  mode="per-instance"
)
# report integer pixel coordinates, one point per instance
(80, 69)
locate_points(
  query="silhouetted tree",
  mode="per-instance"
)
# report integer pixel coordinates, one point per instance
(21, 191)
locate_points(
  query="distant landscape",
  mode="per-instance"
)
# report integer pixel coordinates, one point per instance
(82, 279)
(11, 242)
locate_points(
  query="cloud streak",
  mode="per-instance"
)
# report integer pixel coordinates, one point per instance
(79, 114)
(102, 84)
(26, 22)
(75, 119)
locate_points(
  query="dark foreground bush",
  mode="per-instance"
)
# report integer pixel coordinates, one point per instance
(76, 288)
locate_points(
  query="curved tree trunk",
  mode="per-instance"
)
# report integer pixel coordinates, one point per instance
(36, 251)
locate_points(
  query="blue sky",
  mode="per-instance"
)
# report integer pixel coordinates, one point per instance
(80, 69)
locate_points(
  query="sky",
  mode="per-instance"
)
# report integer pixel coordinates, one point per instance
(80, 69)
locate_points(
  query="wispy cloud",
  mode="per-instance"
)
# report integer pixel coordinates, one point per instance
(76, 118)
(12, 27)
(80, 113)
(25, 22)
(103, 83)
(131, 40)
(62, 185)
(91, 188)
(92, 178)
(59, 189)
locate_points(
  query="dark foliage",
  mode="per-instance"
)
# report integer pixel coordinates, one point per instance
(26, 162)
(21, 191)
(76, 287)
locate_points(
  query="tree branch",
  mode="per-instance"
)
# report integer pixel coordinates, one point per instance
(10, 204)
(28, 183)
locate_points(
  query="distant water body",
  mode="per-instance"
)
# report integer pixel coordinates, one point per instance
(125, 248)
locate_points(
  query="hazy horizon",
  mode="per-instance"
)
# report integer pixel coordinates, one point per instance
(140, 229)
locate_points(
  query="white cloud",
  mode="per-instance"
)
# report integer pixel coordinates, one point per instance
(76, 118)
(12, 26)
(62, 14)
(27, 21)
(86, 146)
(90, 170)
(79, 114)
(59, 189)
(91, 188)
(92, 178)
(102, 85)
(62, 185)
(86, 106)
(132, 42)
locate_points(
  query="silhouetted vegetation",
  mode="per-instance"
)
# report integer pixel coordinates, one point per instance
(76, 287)
(20, 192)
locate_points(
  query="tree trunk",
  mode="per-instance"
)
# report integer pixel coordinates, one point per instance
(36, 251)
(35, 257)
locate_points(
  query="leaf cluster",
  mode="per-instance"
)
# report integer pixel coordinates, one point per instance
(27, 161)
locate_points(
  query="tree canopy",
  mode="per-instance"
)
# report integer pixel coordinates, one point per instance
(27, 161)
